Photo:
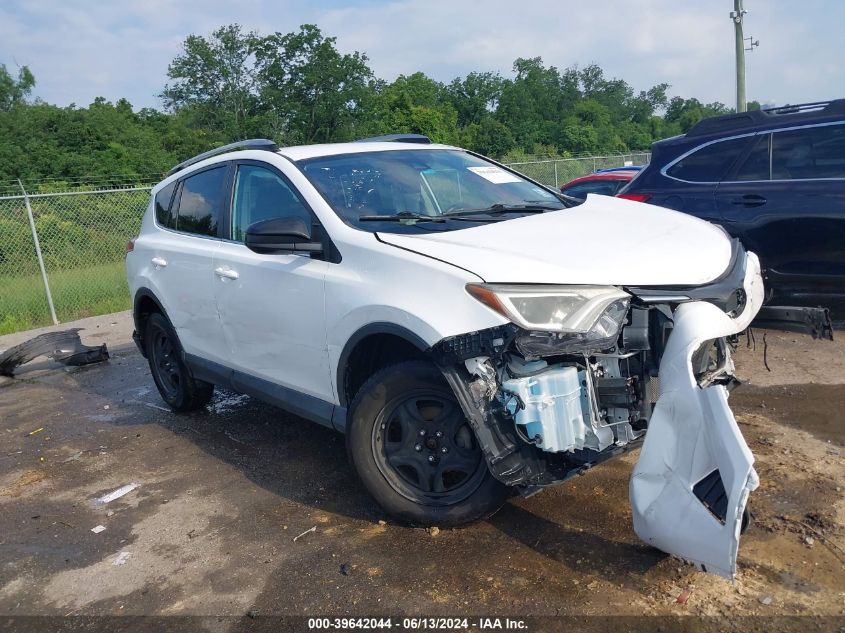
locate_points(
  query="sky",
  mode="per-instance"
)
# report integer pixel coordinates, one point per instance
(79, 50)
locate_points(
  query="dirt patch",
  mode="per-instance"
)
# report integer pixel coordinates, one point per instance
(817, 409)
(21, 483)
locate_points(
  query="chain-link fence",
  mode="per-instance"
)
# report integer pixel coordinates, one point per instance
(560, 171)
(65, 249)
(62, 253)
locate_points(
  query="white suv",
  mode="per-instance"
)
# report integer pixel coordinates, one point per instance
(472, 332)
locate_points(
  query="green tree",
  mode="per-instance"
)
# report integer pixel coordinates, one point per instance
(213, 80)
(313, 92)
(416, 104)
(475, 96)
(681, 114)
(13, 91)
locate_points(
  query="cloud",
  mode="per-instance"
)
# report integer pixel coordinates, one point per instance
(79, 50)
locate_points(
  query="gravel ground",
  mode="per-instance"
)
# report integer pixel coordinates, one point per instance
(221, 495)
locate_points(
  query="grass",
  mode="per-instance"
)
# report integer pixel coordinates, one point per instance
(77, 293)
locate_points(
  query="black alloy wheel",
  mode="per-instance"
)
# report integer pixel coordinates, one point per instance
(423, 445)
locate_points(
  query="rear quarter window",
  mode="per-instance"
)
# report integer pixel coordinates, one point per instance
(163, 200)
(710, 163)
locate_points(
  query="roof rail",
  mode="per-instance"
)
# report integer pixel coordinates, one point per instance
(798, 112)
(253, 143)
(832, 106)
(397, 138)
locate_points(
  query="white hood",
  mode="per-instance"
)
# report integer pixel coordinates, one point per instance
(604, 241)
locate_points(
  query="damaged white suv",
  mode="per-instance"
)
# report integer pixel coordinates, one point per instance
(471, 331)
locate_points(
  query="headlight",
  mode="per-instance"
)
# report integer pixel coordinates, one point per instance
(567, 309)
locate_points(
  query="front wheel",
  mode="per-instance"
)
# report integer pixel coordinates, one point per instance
(412, 447)
(175, 384)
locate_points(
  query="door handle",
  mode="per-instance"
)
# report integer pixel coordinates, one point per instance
(749, 200)
(158, 262)
(226, 273)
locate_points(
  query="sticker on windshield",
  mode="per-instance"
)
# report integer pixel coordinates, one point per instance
(495, 175)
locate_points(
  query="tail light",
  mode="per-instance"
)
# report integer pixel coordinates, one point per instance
(130, 245)
(636, 197)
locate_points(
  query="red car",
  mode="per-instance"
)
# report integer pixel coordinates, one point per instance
(606, 182)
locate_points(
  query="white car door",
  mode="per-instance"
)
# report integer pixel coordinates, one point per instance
(181, 260)
(272, 307)
(695, 472)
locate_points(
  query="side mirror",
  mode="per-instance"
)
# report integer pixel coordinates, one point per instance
(281, 235)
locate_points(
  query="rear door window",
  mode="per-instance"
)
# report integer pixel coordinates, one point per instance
(807, 153)
(710, 163)
(200, 201)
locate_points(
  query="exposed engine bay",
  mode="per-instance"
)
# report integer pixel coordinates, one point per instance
(561, 413)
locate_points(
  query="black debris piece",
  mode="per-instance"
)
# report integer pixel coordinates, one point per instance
(64, 347)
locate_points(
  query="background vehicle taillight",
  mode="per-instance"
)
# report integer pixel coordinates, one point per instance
(636, 197)
(130, 245)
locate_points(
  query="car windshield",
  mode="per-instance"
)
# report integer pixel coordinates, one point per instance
(423, 190)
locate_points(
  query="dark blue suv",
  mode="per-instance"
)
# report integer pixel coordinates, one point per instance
(773, 178)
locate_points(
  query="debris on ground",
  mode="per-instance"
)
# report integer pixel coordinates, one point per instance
(122, 558)
(73, 458)
(382, 522)
(684, 595)
(64, 347)
(252, 613)
(117, 494)
(765, 600)
(311, 529)
(345, 569)
(97, 529)
(433, 530)
(38, 430)
(809, 540)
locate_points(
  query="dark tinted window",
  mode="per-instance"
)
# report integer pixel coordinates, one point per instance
(261, 194)
(817, 152)
(603, 187)
(756, 164)
(200, 201)
(162, 204)
(710, 163)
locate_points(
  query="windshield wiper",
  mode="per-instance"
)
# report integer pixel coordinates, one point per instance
(499, 208)
(404, 216)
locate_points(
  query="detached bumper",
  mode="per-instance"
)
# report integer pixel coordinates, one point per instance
(695, 472)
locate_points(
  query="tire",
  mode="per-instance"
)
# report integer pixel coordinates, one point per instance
(409, 473)
(175, 384)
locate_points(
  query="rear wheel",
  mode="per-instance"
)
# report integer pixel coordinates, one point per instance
(413, 449)
(175, 383)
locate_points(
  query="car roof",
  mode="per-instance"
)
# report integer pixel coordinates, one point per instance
(303, 152)
(784, 116)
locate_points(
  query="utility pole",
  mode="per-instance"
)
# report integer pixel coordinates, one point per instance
(736, 16)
